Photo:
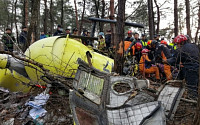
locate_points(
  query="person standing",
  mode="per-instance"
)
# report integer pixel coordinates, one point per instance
(101, 40)
(129, 37)
(108, 38)
(59, 31)
(136, 37)
(187, 57)
(144, 41)
(67, 31)
(8, 39)
(23, 38)
(42, 35)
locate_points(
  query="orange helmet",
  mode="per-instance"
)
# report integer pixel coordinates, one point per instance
(149, 42)
(138, 46)
(163, 42)
(129, 32)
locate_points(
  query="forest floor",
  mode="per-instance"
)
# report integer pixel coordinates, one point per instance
(14, 111)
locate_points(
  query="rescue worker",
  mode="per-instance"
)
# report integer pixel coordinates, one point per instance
(168, 46)
(172, 44)
(162, 53)
(23, 39)
(157, 37)
(152, 52)
(145, 65)
(8, 39)
(67, 31)
(85, 42)
(138, 49)
(42, 35)
(108, 38)
(144, 41)
(136, 37)
(129, 37)
(188, 55)
(59, 31)
(101, 40)
(75, 33)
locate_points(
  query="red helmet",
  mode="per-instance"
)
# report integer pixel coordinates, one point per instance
(163, 42)
(129, 32)
(149, 42)
(138, 46)
(145, 51)
(180, 39)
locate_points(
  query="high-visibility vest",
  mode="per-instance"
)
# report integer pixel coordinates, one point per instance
(102, 44)
(144, 43)
(174, 46)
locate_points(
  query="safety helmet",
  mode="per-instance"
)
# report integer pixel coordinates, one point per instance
(129, 32)
(163, 42)
(101, 34)
(145, 51)
(138, 46)
(153, 42)
(179, 39)
(149, 42)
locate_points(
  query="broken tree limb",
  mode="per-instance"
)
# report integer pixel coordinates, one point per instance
(188, 100)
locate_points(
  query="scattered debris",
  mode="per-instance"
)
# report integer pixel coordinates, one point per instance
(102, 99)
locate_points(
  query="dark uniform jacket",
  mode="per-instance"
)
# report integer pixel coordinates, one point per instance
(161, 49)
(188, 55)
(8, 40)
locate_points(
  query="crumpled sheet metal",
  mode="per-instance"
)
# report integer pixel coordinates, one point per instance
(118, 99)
(142, 109)
(148, 113)
(170, 97)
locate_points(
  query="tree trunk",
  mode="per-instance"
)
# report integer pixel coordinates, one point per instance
(82, 17)
(158, 17)
(37, 26)
(151, 21)
(62, 12)
(26, 10)
(12, 18)
(198, 27)
(97, 3)
(153, 15)
(118, 66)
(187, 4)
(6, 9)
(102, 15)
(45, 16)
(15, 18)
(51, 16)
(76, 12)
(112, 11)
(33, 23)
(176, 17)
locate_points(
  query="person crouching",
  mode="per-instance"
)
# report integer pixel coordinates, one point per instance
(146, 67)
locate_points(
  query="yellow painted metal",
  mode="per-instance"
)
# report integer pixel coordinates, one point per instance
(60, 55)
(13, 81)
(3, 60)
